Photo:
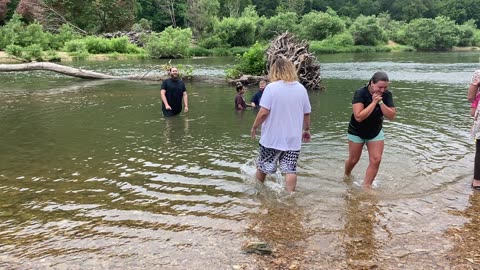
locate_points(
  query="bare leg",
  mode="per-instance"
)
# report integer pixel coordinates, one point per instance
(375, 151)
(290, 182)
(260, 175)
(354, 153)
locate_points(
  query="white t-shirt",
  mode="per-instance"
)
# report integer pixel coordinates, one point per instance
(287, 103)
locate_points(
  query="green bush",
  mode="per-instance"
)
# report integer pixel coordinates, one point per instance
(171, 43)
(252, 62)
(132, 48)
(10, 32)
(221, 52)
(213, 41)
(344, 39)
(33, 34)
(142, 25)
(14, 50)
(466, 33)
(236, 31)
(476, 38)
(98, 45)
(65, 33)
(119, 45)
(199, 51)
(279, 24)
(52, 56)
(33, 52)
(320, 25)
(76, 45)
(440, 33)
(366, 31)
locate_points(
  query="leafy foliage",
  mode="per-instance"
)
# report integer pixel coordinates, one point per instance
(431, 34)
(171, 43)
(321, 25)
(252, 62)
(366, 31)
(280, 23)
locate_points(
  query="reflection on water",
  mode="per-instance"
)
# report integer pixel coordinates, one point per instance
(92, 175)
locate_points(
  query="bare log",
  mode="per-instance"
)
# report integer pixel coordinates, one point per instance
(70, 71)
(308, 70)
(87, 74)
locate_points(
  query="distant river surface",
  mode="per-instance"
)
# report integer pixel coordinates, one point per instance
(93, 177)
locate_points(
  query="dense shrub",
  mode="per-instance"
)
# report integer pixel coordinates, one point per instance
(171, 43)
(466, 33)
(280, 23)
(344, 39)
(320, 25)
(366, 31)
(431, 34)
(76, 45)
(10, 33)
(252, 62)
(236, 31)
(213, 41)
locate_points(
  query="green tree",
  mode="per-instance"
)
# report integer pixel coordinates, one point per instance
(236, 32)
(431, 34)
(280, 23)
(320, 25)
(366, 31)
(115, 15)
(295, 6)
(171, 43)
(201, 15)
(461, 10)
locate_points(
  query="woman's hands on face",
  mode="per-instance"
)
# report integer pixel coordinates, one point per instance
(376, 97)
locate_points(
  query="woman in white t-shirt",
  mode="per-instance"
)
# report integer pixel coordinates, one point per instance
(285, 119)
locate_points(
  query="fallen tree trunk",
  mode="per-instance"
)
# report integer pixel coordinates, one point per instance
(70, 71)
(92, 75)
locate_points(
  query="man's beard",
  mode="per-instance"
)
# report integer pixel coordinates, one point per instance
(174, 76)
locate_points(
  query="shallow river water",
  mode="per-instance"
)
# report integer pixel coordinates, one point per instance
(93, 177)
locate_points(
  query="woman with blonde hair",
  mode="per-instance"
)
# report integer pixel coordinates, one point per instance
(285, 119)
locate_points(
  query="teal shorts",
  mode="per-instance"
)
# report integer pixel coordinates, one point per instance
(356, 139)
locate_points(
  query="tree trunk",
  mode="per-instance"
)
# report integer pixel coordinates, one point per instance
(87, 74)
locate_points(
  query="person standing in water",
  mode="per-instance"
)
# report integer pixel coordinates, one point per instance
(285, 119)
(255, 101)
(370, 105)
(173, 91)
(472, 96)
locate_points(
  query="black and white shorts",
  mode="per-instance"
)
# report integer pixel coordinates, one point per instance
(268, 158)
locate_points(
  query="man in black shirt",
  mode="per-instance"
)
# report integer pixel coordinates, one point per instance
(172, 92)
(255, 101)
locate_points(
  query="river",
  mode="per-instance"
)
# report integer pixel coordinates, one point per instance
(93, 177)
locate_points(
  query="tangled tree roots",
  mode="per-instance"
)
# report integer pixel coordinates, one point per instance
(308, 70)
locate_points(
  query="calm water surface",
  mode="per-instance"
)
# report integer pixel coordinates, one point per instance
(93, 177)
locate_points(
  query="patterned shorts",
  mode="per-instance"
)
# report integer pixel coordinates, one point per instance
(268, 157)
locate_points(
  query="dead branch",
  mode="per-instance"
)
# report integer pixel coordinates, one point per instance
(308, 70)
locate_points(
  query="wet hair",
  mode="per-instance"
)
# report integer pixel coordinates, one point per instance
(283, 69)
(379, 76)
(239, 86)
